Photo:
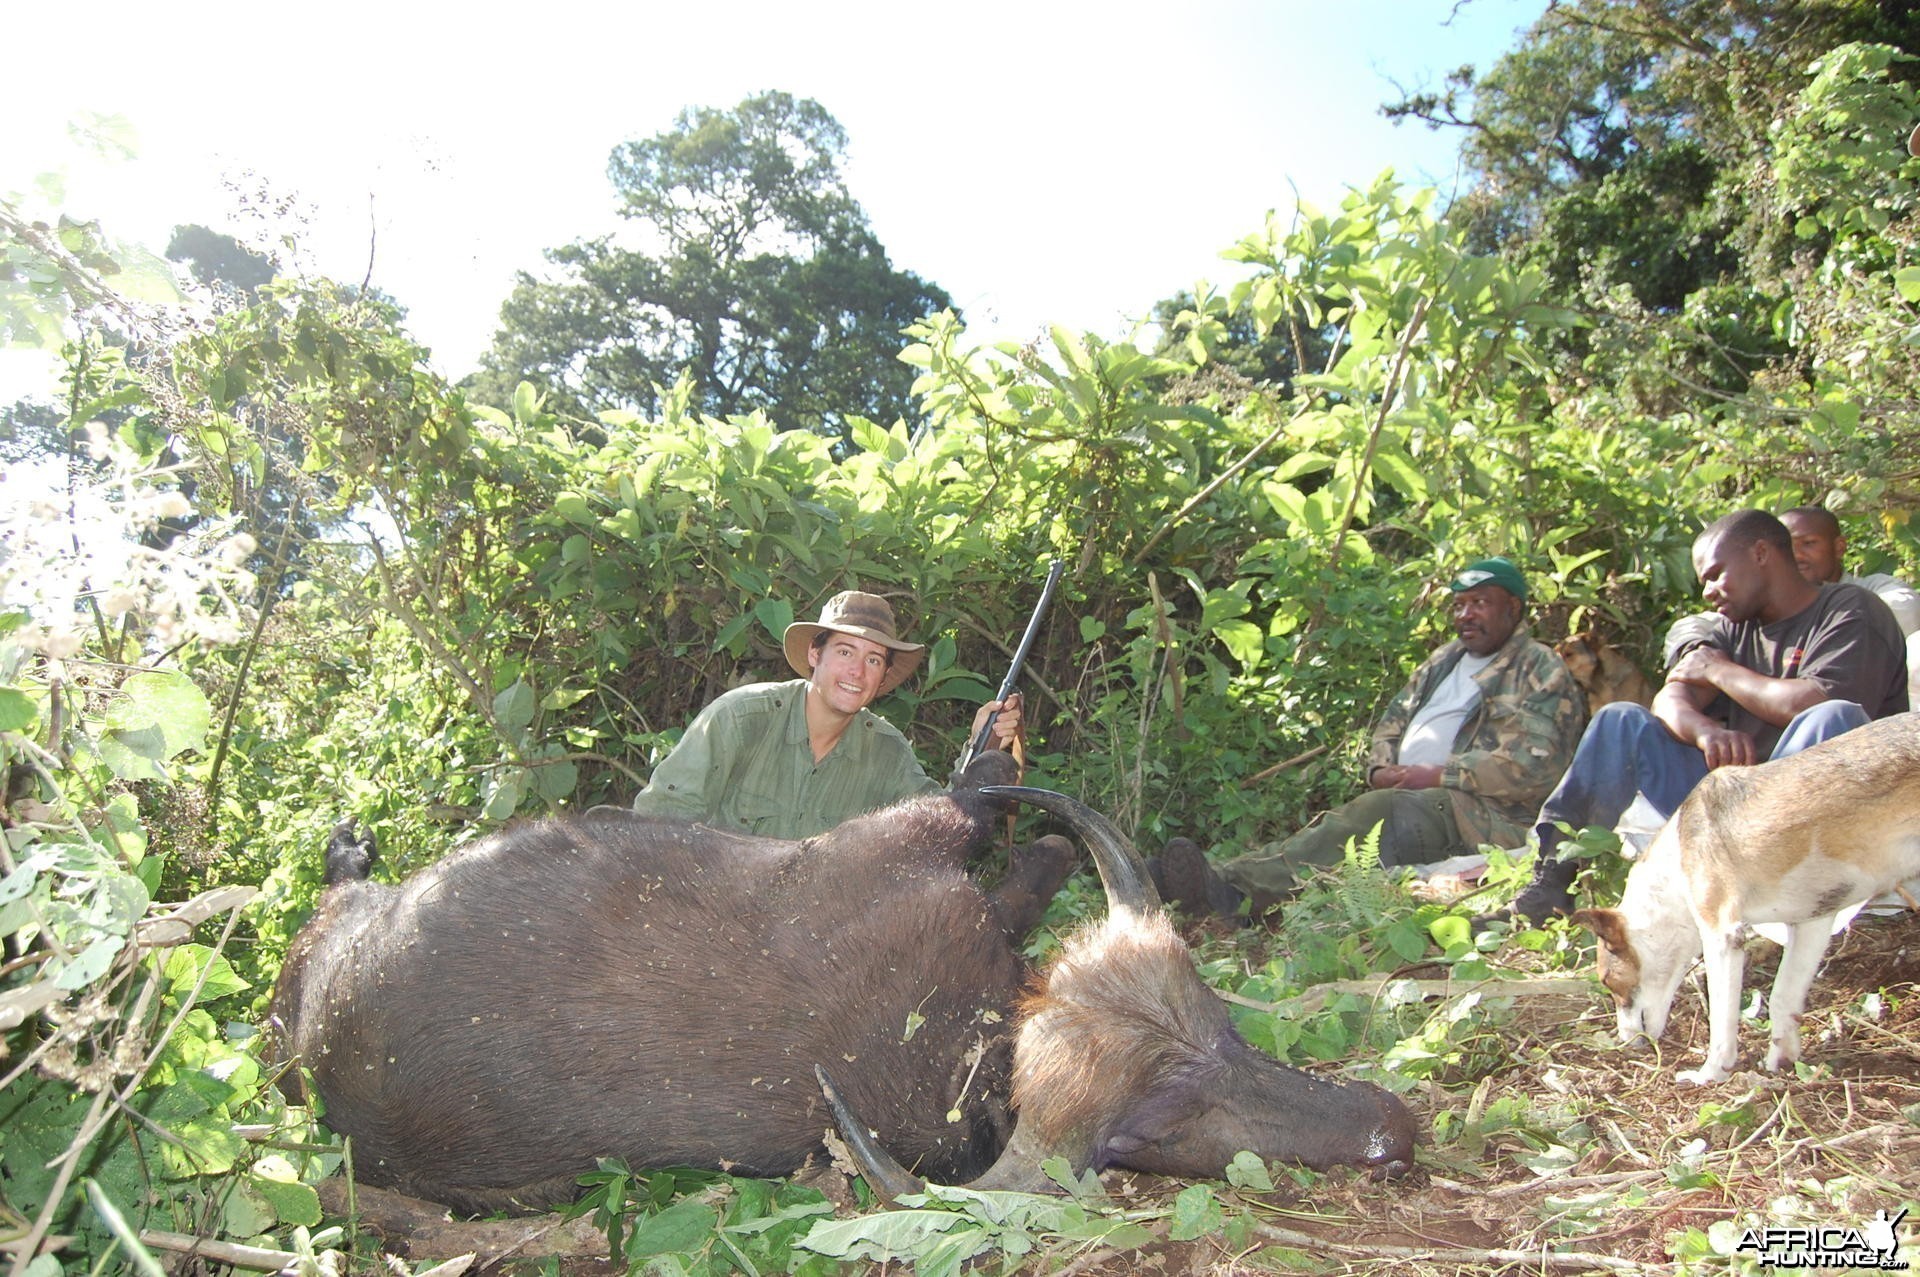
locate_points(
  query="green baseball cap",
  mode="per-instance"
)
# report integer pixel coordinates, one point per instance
(1494, 571)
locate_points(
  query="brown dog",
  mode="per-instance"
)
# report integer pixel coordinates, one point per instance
(1791, 841)
(1602, 671)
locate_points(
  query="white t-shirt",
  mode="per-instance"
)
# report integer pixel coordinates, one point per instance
(1429, 738)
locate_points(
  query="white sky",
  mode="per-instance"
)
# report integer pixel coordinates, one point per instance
(1043, 162)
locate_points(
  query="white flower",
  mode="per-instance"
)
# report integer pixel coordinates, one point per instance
(218, 629)
(63, 644)
(118, 601)
(236, 549)
(169, 505)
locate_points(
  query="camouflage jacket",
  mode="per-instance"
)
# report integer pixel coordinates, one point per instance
(1514, 746)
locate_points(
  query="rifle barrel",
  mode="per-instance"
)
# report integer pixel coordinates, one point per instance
(1019, 659)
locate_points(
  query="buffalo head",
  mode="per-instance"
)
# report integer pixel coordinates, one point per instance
(1125, 1058)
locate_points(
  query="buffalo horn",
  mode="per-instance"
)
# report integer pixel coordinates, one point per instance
(886, 1177)
(1017, 1169)
(1121, 868)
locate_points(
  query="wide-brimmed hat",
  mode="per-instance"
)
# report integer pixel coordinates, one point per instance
(1494, 571)
(863, 615)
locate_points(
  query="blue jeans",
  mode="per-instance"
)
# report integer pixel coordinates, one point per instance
(1626, 750)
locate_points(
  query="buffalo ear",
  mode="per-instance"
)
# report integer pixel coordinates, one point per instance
(1608, 924)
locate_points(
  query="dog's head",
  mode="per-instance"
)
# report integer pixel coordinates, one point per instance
(1581, 654)
(1646, 946)
(1618, 964)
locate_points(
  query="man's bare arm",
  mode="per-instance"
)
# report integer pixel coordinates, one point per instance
(1679, 707)
(1772, 700)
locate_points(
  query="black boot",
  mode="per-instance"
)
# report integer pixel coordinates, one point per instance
(1551, 890)
(1188, 882)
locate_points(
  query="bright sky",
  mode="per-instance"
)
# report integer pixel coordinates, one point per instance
(1044, 162)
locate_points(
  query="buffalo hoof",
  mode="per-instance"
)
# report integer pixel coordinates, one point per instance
(1386, 1172)
(1034, 874)
(350, 854)
(994, 767)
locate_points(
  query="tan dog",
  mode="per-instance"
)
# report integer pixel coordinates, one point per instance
(1602, 671)
(1791, 841)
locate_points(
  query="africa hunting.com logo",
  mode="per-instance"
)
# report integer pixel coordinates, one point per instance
(1875, 1245)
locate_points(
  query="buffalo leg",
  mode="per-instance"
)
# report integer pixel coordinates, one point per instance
(1034, 874)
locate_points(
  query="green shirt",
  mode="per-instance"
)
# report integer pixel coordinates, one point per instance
(745, 764)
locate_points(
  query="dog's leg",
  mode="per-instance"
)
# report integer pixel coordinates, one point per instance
(1806, 944)
(1726, 968)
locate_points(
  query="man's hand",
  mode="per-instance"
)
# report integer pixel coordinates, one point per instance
(1723, 746)
(1006, 728)
(1394, 776)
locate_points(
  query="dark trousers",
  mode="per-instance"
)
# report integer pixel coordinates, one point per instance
(1416, 828)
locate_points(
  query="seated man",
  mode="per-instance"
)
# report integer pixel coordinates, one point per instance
(1819, 547)
(1788, 663)
(1462, 757)
(793, 759)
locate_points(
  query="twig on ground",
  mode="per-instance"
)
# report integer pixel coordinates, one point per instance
(256, 1258)
(1305, 755)
(1311, 1000)
(1573, 1261)
(429, 1233)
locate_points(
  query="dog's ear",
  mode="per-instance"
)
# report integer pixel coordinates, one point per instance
(1608, 924)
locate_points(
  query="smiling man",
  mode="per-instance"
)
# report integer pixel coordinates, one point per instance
(1463, 755)
(793, 759)
(1788, 662)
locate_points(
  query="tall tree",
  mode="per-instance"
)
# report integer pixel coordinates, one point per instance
(215, 257)
(1625, 148)
(757, 277)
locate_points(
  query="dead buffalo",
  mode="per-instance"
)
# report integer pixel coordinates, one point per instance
(616, 986)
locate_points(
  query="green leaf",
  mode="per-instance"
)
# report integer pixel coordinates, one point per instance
(1247, 641)
(526, 403)
(1286, 500)
(1450, 930)
(142, 1259)
(513, 709)
(896, 1234)
(1407, 940)
(723, 641)
(1394, 466)
(17, 710)
(507, 795)
(157, 715)
(555, 781)
(774, 615)
(1247, 1170)
(564, 697)
(18, 883)
(681, 1227)
(83, 968)
(1196, 1212)
(184, 965)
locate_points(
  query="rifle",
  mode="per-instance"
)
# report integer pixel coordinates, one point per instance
(1019, 658)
